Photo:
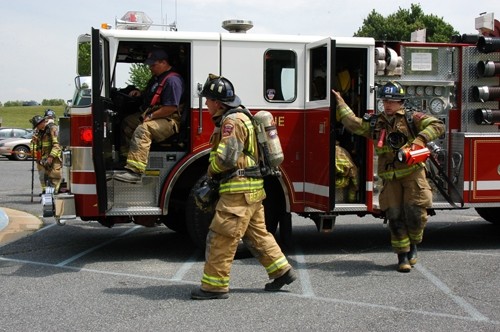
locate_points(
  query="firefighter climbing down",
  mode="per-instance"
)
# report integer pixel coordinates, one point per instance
(406, 195)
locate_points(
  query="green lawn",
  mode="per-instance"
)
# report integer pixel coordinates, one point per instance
(19, 116)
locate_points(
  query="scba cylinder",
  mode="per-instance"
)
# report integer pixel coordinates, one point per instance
(486, 116)
(488, 44)
(267, 134)
(488, 68)
(485, 93)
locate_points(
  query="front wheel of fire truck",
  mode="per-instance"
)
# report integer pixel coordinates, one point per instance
(489, 214)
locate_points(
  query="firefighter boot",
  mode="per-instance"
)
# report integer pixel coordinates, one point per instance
(403, 264)
(412, 254)
(200, 294)
(285, 279)
(128, 176)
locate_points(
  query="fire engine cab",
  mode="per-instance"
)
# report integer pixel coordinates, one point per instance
(290, 76)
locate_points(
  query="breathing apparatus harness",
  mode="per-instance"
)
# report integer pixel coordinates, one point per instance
(441, 176)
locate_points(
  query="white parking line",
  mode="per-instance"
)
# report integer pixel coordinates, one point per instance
(474, 317)
(179, 275)
(83, 253)
(473, 312)
(305, 281)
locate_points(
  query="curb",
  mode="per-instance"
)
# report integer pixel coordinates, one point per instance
(17, 224)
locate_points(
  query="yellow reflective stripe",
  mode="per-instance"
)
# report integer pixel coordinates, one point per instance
(241, 186)
(138, 165)
(341, 182)
(399, 173)
(416, 237)
(343, 111)
(214, 281)
(382, 150)
(401, 243)
(276, 265)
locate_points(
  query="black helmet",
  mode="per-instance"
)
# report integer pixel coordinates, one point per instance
(220, 88)
(50, 113)
(36, 120)
(393, 91)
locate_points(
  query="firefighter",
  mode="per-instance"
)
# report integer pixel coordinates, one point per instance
(406, 195)
(239, 213)
(47, 153)
(49, 117)
(346, 173)
(160, 118)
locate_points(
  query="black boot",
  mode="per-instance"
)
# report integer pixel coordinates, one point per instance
(403, 264)
(200, 294)
(279, 282)
(412, 254)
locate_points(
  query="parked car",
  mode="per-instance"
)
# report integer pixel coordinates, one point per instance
(8, 132)
(17, 148)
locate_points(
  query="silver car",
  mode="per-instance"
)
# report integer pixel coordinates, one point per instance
(8, 132)
(16, 148)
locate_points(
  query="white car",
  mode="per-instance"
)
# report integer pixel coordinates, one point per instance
(17, 148)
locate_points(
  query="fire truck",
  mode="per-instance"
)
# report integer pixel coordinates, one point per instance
(290, 76)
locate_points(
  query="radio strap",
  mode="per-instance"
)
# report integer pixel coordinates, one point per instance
(156, 98)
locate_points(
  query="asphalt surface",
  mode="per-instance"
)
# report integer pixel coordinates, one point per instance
(86, 277)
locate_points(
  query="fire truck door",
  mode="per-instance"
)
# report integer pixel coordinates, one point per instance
(100, 116)
(318, 126)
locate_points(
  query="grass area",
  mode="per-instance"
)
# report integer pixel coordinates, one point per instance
(19, 116)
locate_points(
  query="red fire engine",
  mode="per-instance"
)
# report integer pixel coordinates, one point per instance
(291, 77)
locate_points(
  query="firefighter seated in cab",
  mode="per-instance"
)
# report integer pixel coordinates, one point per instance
(400, 136)
(346, 173)
(158, 120)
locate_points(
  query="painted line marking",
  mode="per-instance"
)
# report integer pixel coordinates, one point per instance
(184, 269)
(318, 298)
(473, 312)
(305, 280)
(83, 253)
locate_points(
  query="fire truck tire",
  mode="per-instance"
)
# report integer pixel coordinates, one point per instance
(489, 214)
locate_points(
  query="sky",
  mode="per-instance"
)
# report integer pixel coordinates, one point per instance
(38, 40)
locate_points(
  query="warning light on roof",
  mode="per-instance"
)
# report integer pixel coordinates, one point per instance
(134, 20)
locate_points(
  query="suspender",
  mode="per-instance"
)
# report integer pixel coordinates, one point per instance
(159, 89)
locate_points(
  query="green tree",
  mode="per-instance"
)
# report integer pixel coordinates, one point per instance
(139, 75)
(400, 25)
(84, 59)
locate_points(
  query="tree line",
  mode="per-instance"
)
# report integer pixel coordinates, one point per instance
(45, 102)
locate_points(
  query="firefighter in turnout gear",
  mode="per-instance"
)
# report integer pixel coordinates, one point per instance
(50, 116)
(239, 213)
(159, 119)
(346, 173)
(47, 153)
(406, 195)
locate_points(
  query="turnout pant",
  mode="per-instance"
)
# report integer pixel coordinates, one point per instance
(239, 216)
